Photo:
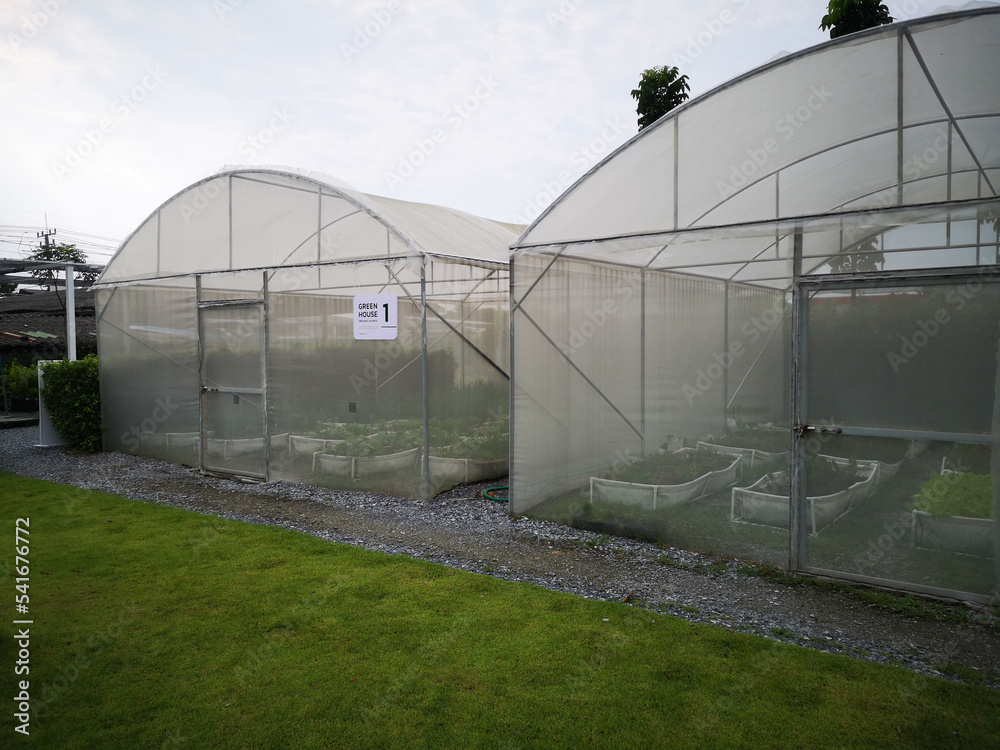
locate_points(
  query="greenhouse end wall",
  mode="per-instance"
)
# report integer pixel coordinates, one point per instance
(257, 372)
(789, 360)
(664, 405)
(616, 366)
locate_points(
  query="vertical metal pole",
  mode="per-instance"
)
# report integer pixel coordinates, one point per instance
(70, 315)
(230, 222)
(797, 494)
(202, 395)
(677, 167)
(511, 384)
(642, 364)
(425, 457)
(725, 357)
(263, 380)
(159, 233)
(899, 120)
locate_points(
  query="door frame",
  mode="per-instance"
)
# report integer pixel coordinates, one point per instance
(803, 289)
(204, 389)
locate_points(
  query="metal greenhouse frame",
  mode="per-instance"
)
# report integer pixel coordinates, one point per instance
(766, 327)
(268, 324)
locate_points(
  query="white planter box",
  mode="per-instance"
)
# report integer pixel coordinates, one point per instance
(172, 440)
(337, 466)
(754, 504)
(358, 467)
(405, 461)
(452, 471)
(279, 443)
(653, 496)
(307, 446)
(235, 448)
(966, 536)
(751, 456)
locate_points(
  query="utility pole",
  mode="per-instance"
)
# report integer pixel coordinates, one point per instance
(44, 237)
(70, 305)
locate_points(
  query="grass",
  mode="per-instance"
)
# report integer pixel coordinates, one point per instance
(156, 627)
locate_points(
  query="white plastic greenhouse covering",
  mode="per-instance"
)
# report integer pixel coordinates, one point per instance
(766, 327)
(227, 340)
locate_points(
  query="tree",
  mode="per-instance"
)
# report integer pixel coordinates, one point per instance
(660, 90)
(61, 253)
(847, 16)
(865, 257)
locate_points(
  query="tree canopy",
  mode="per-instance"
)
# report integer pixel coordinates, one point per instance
(660, 90)
(847, 16)
(60, 253)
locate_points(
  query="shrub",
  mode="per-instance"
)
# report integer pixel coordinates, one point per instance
(72, 396)
(22, 385)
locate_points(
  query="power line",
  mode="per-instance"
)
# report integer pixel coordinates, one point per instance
(19, 235)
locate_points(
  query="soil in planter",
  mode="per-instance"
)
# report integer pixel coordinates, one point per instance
(670, 468)
(823, 477)
(761, 438)
(966, 495)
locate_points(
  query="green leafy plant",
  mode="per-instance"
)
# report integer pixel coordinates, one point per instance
(659, 91)
(848, 16)
(22, 385)
(967, 495)
(72, 396)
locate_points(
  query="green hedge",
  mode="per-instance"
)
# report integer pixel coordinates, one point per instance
(72, 396)
(22, 385)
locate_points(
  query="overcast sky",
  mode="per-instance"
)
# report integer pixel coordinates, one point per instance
(493, 106)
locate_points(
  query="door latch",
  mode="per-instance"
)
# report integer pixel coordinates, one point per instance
(802, 429)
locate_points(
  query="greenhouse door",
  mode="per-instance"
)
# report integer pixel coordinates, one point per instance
(233, 410)
(896, 399)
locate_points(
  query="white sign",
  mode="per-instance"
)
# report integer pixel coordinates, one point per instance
(375, 317)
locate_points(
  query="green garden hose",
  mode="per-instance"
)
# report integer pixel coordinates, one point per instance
(488, 493)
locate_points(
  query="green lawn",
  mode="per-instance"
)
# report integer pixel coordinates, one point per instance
(159, 628)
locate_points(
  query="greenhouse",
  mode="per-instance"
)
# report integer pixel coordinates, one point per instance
(767, 326)
(268, 324)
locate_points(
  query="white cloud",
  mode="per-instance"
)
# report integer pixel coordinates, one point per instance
(560, 70)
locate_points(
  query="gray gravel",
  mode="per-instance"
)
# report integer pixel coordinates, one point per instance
(463, 530)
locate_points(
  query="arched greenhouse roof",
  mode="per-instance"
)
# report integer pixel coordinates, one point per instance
(899, 116)
(252, 218)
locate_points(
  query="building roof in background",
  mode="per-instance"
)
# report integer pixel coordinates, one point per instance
(38, 321)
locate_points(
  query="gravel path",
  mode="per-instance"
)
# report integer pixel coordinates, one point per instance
(463, 530)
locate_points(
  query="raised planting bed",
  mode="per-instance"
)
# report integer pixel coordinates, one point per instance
(666, 480)
(834, 487)
(360, 467)
(300, 445)
(172, 441)
(889, 452)
(751, 456)
(757, 445)
(452, 471)
(953, 512)
(234, 447)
